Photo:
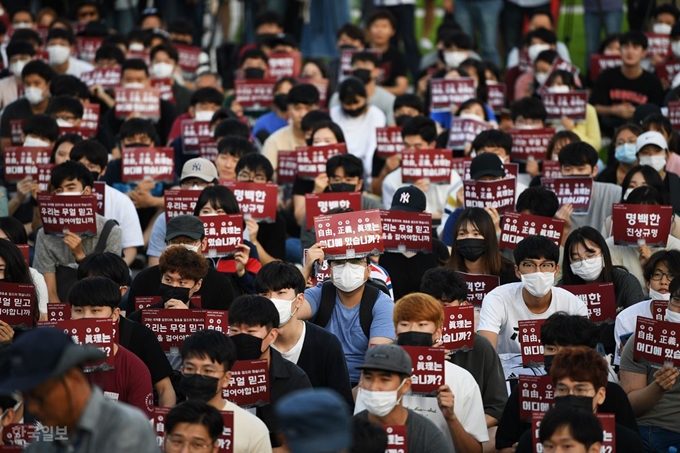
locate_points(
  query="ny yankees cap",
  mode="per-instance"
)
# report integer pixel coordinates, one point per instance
(199, 168)
(409, 198)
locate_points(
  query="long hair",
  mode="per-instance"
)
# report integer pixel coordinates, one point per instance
(480, 220)
(579, 236)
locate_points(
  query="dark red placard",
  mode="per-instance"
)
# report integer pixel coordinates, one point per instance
(76, 214)
(23, 161)
(536, 394)
(445, 93)
(458, 329)
(433, 164)
(249, 385)
(575, 190)
(350, 234)
(552, 169)
(406, 231)
(461, 165)
(99, 191)
(16, 128)
(511, 169)
(139, 55)
(389, 141)
(498, 194)
(674, 114)
(145, 102)
(158, 422)
(478, 286)
(608, 422)
(224, 233)
(600, 299)
(632, 223)
(172, 326)
(96, 332)
(525, 63)
(668, 69)
(44, 177)
(284, 64)
(164, 87)
(25, 251)
(428, 368)
(656, 342)
(104, 77)
(317, 204)
(225, 442)
(139, 164)
(17, 301)
(208, 150)
(254, 93)
(530, 342)
(19, 435)
(659, 308)
(397, 439)
(571, 105)
(659, 44)
(600, 62)
(255, 199)
(217, 320)
(496, 94)
(464, 130)
(189, 57)
(90, 119)
(58, 311)
(86, 47)
(194, 133)
(180, 202)
(530, 143)
(346, 60)
(516, 227)
(311, 160)
(536, 420)
(286, 167)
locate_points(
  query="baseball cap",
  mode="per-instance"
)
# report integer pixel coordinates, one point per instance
(315, 421)
(199, 168)
(486, 164)
(410, 199)
(387, 357)
(651, 138)
(184, 225)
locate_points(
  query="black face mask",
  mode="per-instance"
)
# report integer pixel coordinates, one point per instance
(253, 73)
(199, 387)
(354, 113)
(168, 292)
(471, 249)
(248, 347)
(137, 145)
(348, 47)
(362, 74)
(547, 362)
(281, 101)
(579, 403)
(342, 187)
(95, 175)
(414, 339)
(401, 119)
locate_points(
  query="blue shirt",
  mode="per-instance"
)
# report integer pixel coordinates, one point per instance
(270, 122)
(345, 325)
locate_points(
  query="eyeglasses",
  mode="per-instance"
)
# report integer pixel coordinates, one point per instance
(245, 176)
(546, 266)
(590, 259)
(658, 275)
(355, 261)
(579, 390)
(176, 444)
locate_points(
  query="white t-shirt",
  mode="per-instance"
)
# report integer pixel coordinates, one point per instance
(360, 133)
(626, 321)
(78, 67)
(40, 289)
(468, 405)
(504, 307)
(119, 207)
(294, 354)
(436, 195)
(250, 433)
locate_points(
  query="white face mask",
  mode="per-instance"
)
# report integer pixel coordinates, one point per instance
(541, 77)
(657, 162)
(655, 295)
(136, 47)
(134, 85)
(283, 306)
(588, 269)
(195, 187)
(163, 70)
(192, 248)
(380, 403)
(22, 25)
(33, 142)
(536, 49)
(203, 115)
(672, 316)
(17, 67)
(675, 48)
(455, 58)
(662, 29)
(63, 123)
(538, 283)
(348, 277)
(58, 54)
(70, 194)
(627, 192)
(34, 95)
(559, 89)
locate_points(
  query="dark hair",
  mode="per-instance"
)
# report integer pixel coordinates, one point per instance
(27, 34)
(253, 54)
(538, 201)
(422, 126)
(409, 100)
(116, 39)
(137, 126)
(352, 165)
(196, 412)
(645, 195)
(580, 236)
(563, 329)
(350, 90)
(614, 37)
(14, 230)
(457, 38)
(293, 82)
(66, 138)
(43, 126)
(68, 171)
(367, 437)
(65, 103)
(583, 426)
(60, 33)
(64, 84)
(232, 127)
(481, 220)
(207, 95)
(16, 268)
(580, 364)
(365, 55)
(235, 146)
(167, 48)
(547, 56)
(328, 124)
(22, 9)
(19, 47)
(255, 162)
(381, 13)
(180, 27)
(493, 138)
(577, 154)
(277, 275)
(444, 283)
(39, 68)
(189, 265)
(353, 31)
(95, 292)
(661, 122)
(268, 17)
(472, 101)
(634, 37)
(528, 108)
(110, 52)
(210, 344)
(566, 76)
(670, 258)
(217, 197)
(666, 9)
(105, 264)
(134, 64)
(312, 118)
(545, 35)
(559, 136)
(536, 247)
(253, 311)
(652, 178)
(91, 150)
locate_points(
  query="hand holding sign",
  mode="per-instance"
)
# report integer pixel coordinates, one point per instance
(75, 244)
(6, 332)
(446, 401)
(665, 377)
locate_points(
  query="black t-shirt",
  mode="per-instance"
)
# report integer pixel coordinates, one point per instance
(163, 125)
(302, 186)
(272, 237)
(612, 87)
(17, 110)
(626, 441)
(142, 342)
(393, 65)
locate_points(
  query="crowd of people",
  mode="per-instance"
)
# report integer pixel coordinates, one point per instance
(171, 277)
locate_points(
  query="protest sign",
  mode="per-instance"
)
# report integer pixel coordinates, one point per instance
(515, 227)
(349, 235)
(632, 223)
(76, 214)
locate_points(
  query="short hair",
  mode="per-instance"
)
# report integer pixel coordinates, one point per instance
(304, 93)
(206, 95)
(212, 345)
(253, 54)
(95, 292)
(580, 364)
(137, 126)
(422, 126)
(458, 38)
(365, 55)
(65, 103)
(91, 150)
(195, 412)
(14, 230)
(352, 31)
(134, 64)
(167, 48)
(443, 283)
(277, 275)
(254, 162)
(27, 34)
(350, 90)
(253, 311)
(545, 35)
(217, 197)
(104, 264)
(368, 437)
(327, 124)
(536, 247)
(65, 84)
(528, 108)
(232, 127)
(42, 126)
(352, 165)
(409, 100)
(645, 195)
(60, 33)
(19, 47)
(381, 13)
(470, 102)
(39, 68)
(670, 258)
(583, 426)
(116, 39)
(580, 236)
(559, 136)
(548, 56)
(110, 52)
(418, 307)
(313, 118)
(189, 265)
(577, 154)
(181, 27)
(563, 329)
(493, 138)
(666, 9)
(22, 9)
(235, 146)
(634, 37)
(538, 201)
(268, 17)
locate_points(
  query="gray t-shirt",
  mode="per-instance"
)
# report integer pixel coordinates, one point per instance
(381, 98)
(603, 196)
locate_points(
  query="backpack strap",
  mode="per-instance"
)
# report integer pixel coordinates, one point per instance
(104, 236)
(368, 300)
(327, 304)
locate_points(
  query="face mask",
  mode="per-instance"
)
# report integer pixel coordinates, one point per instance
(627, 192)
(137, 145)
(578, 403)
(342, 187)
(354, 113)
(471, 249)
(455, 58)
(536, 49)
(58, 54)
(547, 362)
(662, 29)
(33, 142)
(414, 339)
(248, 347)
(168, 292)
(134, 85)
(70, 194)
(34, 95)
(253, 73)
(22, 25)
(541, 77)
(203, 115)
(136, 47)
(362, 74)
(560, 89)
(199, 387)
(17, 67)
(588, 269)
(401, 119)
(348, 277)
(626, 153)
(281, 101)
(538, 283)
(283, 306)
(95, 175)
(658, 163)
(655, 295)
(672, 316)
(163, 70)
(380, 403)
(63, 123)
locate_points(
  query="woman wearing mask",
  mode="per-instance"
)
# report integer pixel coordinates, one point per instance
(652, 150)
(661, 124)
(622, 154)
(529, 82)
(13, 269)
